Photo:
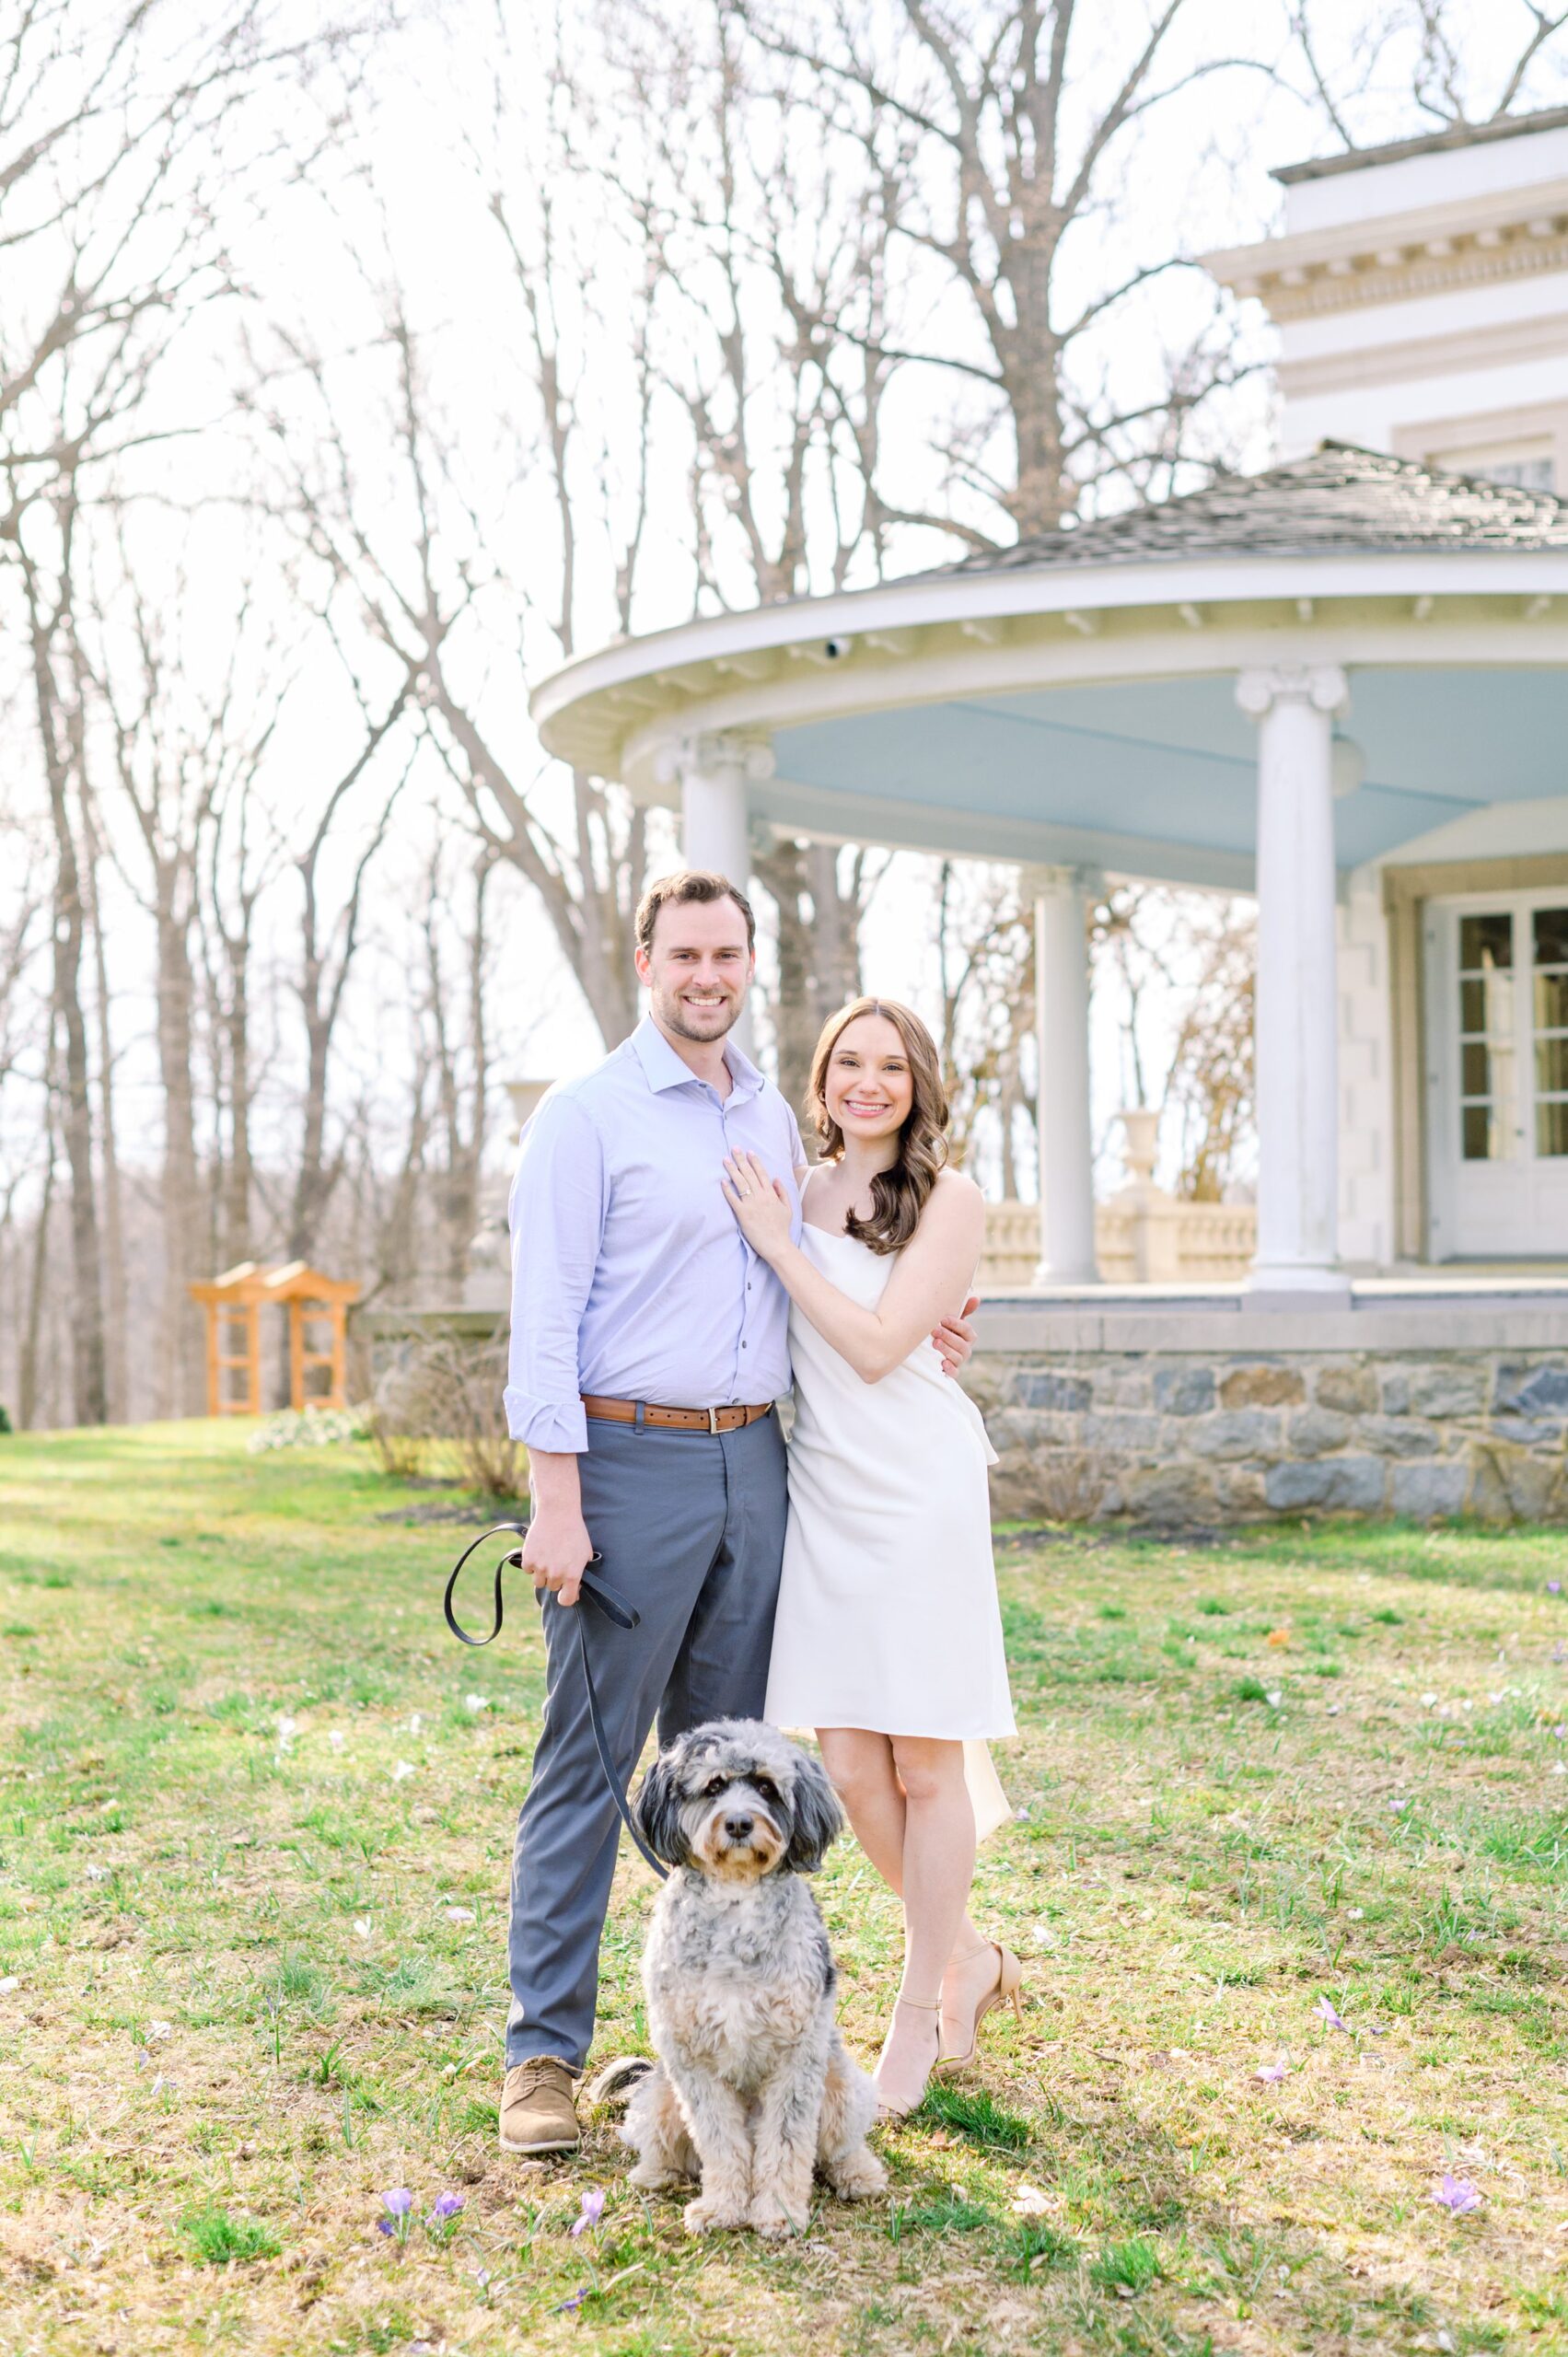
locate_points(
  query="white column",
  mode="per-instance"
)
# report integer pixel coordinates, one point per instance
(1297, 1022)
(716, 827)
(713, 770)
(1066, 1152)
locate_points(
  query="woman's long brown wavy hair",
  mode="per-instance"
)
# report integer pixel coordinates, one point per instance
(897, 1195)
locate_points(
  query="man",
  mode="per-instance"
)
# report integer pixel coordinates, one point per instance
(648, 1347)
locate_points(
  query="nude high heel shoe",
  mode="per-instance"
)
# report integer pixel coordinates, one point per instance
(1008, 1989)
(895, 2112)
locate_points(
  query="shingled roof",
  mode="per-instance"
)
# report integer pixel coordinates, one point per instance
(1338, 500)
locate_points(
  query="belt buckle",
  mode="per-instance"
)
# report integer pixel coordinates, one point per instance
(712, 1420)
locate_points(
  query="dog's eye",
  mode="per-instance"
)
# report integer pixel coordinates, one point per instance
(714, 1786)
(764, 1788)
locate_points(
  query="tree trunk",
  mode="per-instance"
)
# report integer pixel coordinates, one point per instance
(234, 1216)
(180, 1343)
(27, 1371)
(88, 1381)
(116, 1288)
(819, 952)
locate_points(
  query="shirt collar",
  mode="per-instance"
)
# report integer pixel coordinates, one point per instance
(664, 1069)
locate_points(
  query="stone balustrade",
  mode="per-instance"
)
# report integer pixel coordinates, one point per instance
(1212, 1241)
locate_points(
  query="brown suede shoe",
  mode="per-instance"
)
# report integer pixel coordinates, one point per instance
(538, 2114)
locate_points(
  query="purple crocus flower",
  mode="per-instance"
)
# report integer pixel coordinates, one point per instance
(1554, 1587)
(569, 2307)
(397, 2204)
(446, 2206)
(1272, 2072)
(1457, 2194)
(1325, 2012)
(593, 2210)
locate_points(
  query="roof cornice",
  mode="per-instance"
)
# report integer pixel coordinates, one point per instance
(1503, 233)
(1424, 142)
(752, 669)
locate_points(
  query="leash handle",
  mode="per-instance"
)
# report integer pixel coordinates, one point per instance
(605, 1600)
(516, 1529)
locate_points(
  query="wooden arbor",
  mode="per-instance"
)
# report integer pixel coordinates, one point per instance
(234, 1302)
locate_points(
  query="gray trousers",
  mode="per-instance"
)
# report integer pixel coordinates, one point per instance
(690, 1527)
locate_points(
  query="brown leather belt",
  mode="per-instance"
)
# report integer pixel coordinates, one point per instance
(675, 1420)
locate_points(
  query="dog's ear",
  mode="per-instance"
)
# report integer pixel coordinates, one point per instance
(657, 1811)
(817, 1818)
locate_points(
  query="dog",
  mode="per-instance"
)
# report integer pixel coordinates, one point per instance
(753, 2089)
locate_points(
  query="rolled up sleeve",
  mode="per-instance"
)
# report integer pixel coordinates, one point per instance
(556, 1214)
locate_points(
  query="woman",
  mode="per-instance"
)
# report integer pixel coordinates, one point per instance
(889, 1639)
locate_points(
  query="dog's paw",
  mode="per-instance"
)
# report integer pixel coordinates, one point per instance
(768, 2216)
(713, 2213)
(859, 2177)
(652, 2180)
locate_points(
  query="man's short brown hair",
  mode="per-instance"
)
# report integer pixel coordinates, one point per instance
(689, 884)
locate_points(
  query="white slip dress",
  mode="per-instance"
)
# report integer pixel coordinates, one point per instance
(887, 1617)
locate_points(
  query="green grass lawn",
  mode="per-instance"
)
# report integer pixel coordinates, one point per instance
(255, 1827)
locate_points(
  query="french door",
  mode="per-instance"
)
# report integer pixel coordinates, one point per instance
(1498, 1076)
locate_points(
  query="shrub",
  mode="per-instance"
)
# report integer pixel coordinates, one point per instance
(1069, 1484)
(440, 1404)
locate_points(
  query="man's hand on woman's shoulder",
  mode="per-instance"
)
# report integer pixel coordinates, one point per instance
(954, 1337)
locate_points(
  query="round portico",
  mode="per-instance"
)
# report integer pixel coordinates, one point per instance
(1263, 686)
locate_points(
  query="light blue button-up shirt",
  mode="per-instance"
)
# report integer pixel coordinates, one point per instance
(630, 1277)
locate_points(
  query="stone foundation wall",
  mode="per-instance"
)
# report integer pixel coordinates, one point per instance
(1225, 1436)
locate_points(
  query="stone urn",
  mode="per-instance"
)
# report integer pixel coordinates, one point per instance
(1154, 1215)
(1140, 1124)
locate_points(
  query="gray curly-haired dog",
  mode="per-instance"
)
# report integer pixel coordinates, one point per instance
(753, 2089)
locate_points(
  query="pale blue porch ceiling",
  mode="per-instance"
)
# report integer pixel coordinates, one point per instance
(1174, 760)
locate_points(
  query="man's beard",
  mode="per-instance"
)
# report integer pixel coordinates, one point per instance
(674, 1017)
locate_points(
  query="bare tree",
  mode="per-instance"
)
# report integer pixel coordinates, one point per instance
(120, 148)
(59, 722)
(1210, 1084)
(329, 941)
(819, 894)
(1461, 66)
(767, 237)
(1183, 965)
(116, 1275)
(1001, 131)
(179, 750)
(985, 940)
(233, 878)
(459, 1061)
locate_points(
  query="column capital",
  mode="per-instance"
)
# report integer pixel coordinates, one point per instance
(736, 754)
(1039, 883)
(1321, 685)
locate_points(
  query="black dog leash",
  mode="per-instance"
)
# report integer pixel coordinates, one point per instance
(604, 1598)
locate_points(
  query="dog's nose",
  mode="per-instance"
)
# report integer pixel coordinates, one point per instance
(739, 1827)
